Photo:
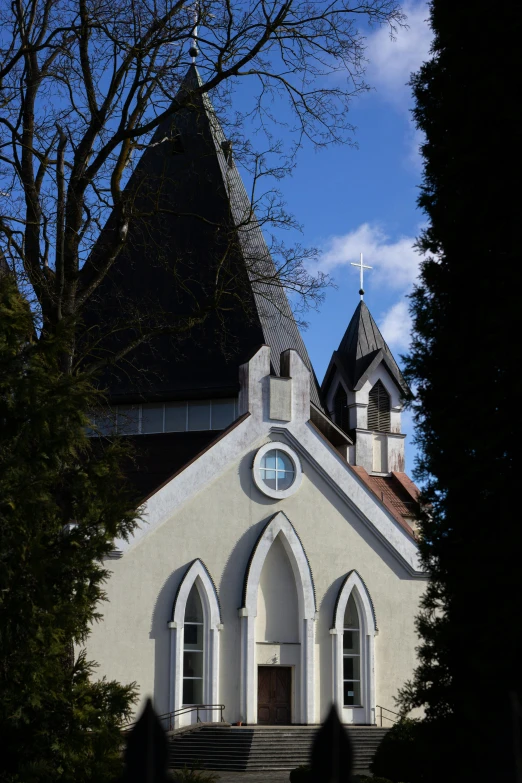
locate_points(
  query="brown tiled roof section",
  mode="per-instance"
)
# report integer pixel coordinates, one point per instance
(399, 495)
(392, 494)
(411, 488)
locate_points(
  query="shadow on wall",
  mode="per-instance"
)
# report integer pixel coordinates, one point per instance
(323, 638)
(247, 482)
(230, 595)
(229, 587)
(161, 615)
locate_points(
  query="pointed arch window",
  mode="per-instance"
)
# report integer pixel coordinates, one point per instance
(341, 408)
(194, 652)
(193, 649)
(379, 408)
(353, 632)
(351, 655)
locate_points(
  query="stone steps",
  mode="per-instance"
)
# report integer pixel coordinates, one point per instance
(262, 747)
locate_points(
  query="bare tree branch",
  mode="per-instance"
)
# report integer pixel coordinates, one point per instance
(84, 84)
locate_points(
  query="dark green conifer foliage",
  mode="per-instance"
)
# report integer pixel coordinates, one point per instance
(61, 506)
(465, 363)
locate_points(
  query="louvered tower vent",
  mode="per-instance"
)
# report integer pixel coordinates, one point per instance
(379, 408)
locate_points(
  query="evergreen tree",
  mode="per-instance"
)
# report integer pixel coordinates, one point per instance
(465, 364)
(61, 506)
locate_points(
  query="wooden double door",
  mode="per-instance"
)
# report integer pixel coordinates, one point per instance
(274, 695)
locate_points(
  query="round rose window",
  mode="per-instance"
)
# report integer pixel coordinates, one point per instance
(277, 470)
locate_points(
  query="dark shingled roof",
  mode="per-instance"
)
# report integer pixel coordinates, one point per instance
(192, 201)
(362, 348)
(159, 457)
(360, 345)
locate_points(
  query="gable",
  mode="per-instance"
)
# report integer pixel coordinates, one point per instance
(332, 497)
(233, 452)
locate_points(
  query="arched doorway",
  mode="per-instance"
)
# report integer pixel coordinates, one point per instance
(280, 548)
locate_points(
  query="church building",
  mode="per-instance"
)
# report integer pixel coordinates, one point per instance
(275, 568)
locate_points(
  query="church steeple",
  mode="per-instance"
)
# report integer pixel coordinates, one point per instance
(192, 225)
(364, 391)
(363, 347)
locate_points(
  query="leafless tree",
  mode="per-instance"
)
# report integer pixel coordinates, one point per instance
(84, 84)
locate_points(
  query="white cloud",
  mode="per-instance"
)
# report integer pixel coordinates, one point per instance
(396, 264)
(391, 62)
(395, 326)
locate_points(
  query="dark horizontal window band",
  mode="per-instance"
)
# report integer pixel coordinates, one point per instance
(153, 418)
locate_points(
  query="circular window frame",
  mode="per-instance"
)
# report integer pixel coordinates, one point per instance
(277, 494)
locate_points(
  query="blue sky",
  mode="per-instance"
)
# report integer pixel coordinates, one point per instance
(351, 200)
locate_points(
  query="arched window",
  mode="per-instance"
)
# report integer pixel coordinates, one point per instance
(353, 631)
(193, 649)
(341, 408)
(194, 653)
(351, 655)
(379, 408)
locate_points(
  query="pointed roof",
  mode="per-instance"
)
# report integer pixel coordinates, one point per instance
(360, 351)
(192, 211)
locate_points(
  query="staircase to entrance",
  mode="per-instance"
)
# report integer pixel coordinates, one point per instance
(251, 748)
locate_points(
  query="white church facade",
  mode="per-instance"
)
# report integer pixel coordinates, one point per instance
(275, 569)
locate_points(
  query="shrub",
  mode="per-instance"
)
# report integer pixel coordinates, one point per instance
(400, 756)
(190, 775)
(301, 774)
(368, 779)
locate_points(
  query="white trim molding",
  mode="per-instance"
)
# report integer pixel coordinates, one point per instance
(196, 574)
(354, 585)
(278, 525)
(277, 494)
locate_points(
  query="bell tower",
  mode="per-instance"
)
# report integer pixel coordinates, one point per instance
(364, 392)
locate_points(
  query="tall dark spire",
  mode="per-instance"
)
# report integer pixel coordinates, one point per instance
(193, 214)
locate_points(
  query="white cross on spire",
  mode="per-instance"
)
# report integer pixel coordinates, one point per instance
(193, 51)
(362, 267)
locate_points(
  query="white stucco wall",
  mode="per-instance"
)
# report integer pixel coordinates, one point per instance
(221, 525)
(364, 449)
(277, 609)
(394, 448)
(395, 452)
(214, 511)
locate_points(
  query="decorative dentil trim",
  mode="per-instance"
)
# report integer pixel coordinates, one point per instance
(196, 569)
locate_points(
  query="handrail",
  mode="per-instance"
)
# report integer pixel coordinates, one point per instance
(170, 717)
(387, 709)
